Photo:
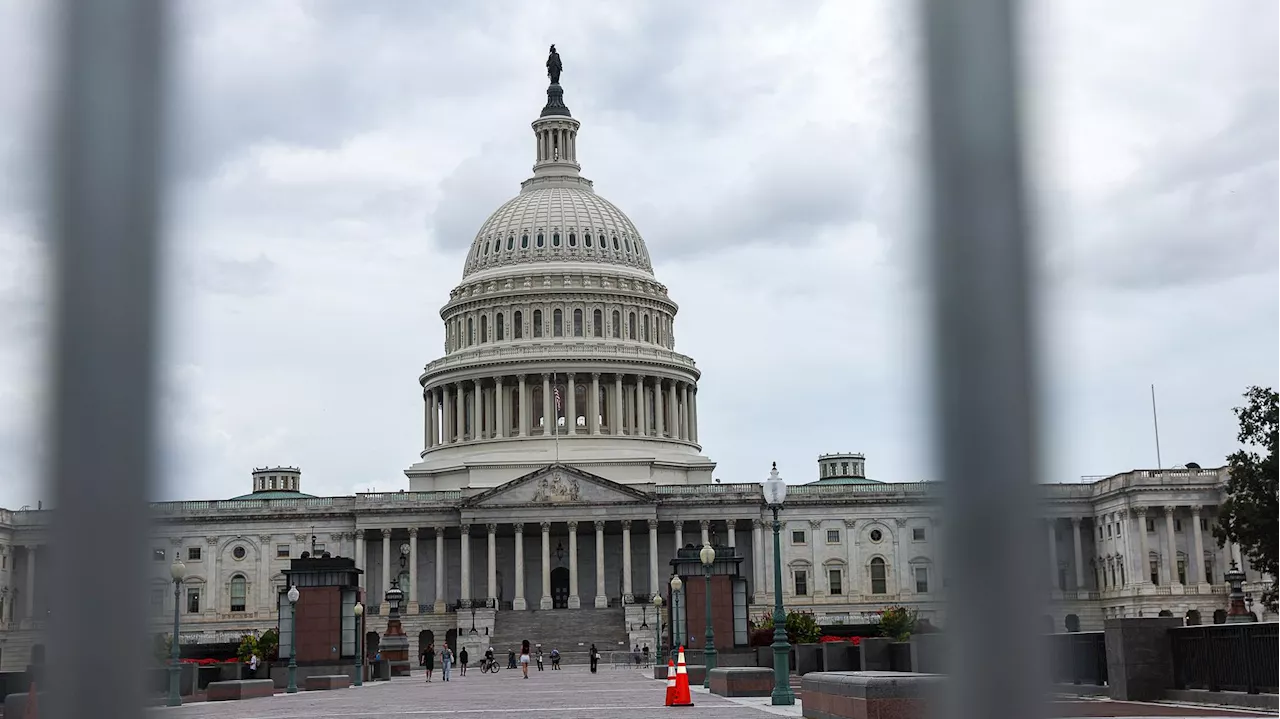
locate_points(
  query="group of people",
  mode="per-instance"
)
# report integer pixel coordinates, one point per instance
(427, 659)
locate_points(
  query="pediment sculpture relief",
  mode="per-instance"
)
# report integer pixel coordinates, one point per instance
(557, 488)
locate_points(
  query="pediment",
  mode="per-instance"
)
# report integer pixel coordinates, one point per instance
(558, 485)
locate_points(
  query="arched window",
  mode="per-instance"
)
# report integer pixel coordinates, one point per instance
(517, 325)
(631, 326)
(646, 328)
(577, 323)
(597, 323)
(879, 577)
(484, 328)
(557, 323)
(471, 331)
(537, 323)
(500, 328)
(626, 242)
(486, 247)
(541, 241)
(555, 239)
(524, 242)
(617, 324)
(573, 240)
(587, 238)
(511, 243)
(239, 592)
(615, 243)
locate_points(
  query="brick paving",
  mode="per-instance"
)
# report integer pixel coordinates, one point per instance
(572, 693)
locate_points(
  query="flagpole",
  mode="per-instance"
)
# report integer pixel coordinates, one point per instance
(1155, 422)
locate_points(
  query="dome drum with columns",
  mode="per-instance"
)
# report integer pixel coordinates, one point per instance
(559, 343)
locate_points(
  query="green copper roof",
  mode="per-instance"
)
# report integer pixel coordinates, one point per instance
(275, 494)
(846, 480)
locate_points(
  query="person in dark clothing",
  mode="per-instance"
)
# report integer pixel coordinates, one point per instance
(462, 661)
(595, 657)
(511, 659)
(555, 659)
(429, 660)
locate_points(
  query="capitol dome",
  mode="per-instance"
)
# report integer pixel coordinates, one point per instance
(559, 343)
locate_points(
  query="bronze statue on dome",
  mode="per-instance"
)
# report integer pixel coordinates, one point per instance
(554, 66)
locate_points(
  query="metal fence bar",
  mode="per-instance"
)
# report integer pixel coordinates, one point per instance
(102, 225)
(983, 361)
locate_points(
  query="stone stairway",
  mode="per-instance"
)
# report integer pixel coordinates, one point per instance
(572, 631)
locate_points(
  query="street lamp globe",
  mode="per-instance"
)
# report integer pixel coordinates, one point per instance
(657, 601)
(775, 490)
(177, 570)
(293, 595)
(358, 609)
(676, 584)
(707, 555)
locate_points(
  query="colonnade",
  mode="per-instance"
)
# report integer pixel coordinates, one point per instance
(504, 406)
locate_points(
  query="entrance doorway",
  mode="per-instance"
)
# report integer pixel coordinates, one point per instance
(560, 588)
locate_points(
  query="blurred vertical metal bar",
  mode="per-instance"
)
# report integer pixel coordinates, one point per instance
(983, 358)
(103, 226)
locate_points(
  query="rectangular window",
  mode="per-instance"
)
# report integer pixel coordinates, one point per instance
(917, 534)
(833, 536)
(1177, 525)
(157, 601)
(879, 577)
(1182, 571)
(193, 554)
(158, 555)
(318, 550)
(1155, 572)
(1099, 532)
(1204, 525)
(193, 601)
(922, 580)
(282, 551)
(1208, 571)
(1108, 530)
(797, 537)
(835, 581)
(1151, 525)
(802, 583)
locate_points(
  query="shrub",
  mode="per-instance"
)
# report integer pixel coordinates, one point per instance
(269, 645)
(897, 623)
(802, 628)
(248, 647)
(760, 637)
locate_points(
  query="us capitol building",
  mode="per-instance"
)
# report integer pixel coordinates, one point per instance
(561, 469)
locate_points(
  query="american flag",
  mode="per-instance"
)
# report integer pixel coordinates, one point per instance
(557, 396)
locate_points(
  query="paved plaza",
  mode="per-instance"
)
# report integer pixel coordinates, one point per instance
(572, 693)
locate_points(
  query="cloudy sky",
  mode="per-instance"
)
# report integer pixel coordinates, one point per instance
(331, 162)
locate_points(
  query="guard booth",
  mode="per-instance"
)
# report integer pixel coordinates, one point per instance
(728, 599)
(327, 626)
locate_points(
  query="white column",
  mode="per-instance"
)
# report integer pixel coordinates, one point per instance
(362, 562)
(1144, 573)
(1171, 539)
(575, 601)
(659, 421)
(411, 594)
(428, 422)
(673, 412)
(687, 432)
(1195, 572)
(386, 564)
(571, 388)
(30, 595)
(1053, 554)
(653, 557)
(440, 585)
(548, 408)
(500, 402)
(626, 562)
(477, 416)
(493, 562)
(602, 599)
(705, 526)
(693, 414)
(594, 404)
(459, 412)
(545, 602)
(679, 524)
(731, 526)
(446, 415)
(215, 582)
(856, 575)
(757, 563)
(1079, 553)
(519, 603)
(523, 422)
(464, 577)
(615, 417)
(1126, 531)
(642, 406)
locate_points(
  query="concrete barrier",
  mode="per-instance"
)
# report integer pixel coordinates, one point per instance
(15, 705)
(325, 682)
(239, 689)
(857, 695)
(742, 682)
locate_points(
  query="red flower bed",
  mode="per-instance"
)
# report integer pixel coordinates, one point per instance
(208, 662)
(826, 639)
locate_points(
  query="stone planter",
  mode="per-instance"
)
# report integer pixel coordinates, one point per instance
(873, 654)
(928, 654)
(808, 658)
(840, 657)
(764, 658)
(900, 657)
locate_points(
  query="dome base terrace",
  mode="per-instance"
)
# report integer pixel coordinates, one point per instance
(621, 459)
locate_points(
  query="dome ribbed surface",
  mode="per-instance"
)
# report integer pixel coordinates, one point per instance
(572, 222)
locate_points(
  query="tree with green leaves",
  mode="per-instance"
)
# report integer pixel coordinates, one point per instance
(1248, 517)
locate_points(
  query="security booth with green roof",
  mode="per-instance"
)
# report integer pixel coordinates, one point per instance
(728, 599)
(327, 626)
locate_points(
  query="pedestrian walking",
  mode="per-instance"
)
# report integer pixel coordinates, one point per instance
(462, 660)
(511, 659)
(555, 659)
(539, 657)
(446, 661)
(524, 658)
(594, 655)
(429, 660)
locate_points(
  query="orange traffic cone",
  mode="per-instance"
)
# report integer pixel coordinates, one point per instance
(671, 682)
(32, 711)
(683, 698)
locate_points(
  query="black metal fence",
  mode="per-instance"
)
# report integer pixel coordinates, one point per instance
(1226, 657)
(1079, 658)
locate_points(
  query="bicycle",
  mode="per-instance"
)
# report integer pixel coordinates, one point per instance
(490, 665)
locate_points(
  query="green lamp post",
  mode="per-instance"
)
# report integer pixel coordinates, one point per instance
(775, 491)
(708, 557)
(293, 641)
(657, 644)
(676, 584)
(359, 612)
(177, 570)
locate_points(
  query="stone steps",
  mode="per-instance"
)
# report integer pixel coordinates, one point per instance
(572, 631)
